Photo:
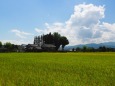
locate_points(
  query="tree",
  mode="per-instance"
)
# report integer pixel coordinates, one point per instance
(64, 41)
(52, 39)
(84, 48)
(48, 38)
(78, 49)
(0, 44)
(57, 37)
(73, 49)
(8, 45)
(91, 49)
(102, 49)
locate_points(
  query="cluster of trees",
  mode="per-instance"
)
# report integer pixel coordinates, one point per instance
(91, 49)
(7, 47)
(0, 44)
(55, 39)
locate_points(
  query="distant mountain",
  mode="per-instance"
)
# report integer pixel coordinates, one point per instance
(94, 45)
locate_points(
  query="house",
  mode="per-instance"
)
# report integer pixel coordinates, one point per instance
(2, 49)
(48, 47)
(39, 45)
(21, 48)
(33, 48)
(37, 48)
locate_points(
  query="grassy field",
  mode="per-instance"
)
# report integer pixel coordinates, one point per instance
(57, 69)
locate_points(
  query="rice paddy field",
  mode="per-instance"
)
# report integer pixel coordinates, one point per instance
(57, 69)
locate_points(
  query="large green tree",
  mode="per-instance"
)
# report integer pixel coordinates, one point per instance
(48, 38)
(64, 41)
(55, 39)
(57, 42)
(0, 44)
(8, 45)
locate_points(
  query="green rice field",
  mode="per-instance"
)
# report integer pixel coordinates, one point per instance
(57, 69)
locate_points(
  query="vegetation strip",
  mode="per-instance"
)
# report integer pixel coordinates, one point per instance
(57, 69)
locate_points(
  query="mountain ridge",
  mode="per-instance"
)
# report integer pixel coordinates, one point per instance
(94, 45)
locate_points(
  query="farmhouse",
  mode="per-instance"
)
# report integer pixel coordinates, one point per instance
(33, 47)
(36, 48)
(39, 45)
(2, 49)
(48, 47)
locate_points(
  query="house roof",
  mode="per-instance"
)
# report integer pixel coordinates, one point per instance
(31, 46)
(38, 48)
(48, 45)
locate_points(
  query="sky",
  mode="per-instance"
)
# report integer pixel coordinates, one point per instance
(81, 21)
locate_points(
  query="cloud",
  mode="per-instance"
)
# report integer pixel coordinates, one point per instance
(18, 42)
(86, 15)
(109, 33)
(84, 26)
(39, 30)
(20, 34)
(23, 37)
(85, 23)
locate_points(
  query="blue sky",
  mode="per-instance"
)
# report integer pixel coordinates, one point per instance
(23, 16)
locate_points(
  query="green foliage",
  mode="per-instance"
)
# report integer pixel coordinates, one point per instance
(84, 48)
(55, 39)
(48, 38)
(57, 69)
(64, 41)
(91, 49)
(8, 45)
(0, 44)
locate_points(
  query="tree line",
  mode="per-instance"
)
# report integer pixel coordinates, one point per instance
(56, 39)
(8, 47)
(91, 49)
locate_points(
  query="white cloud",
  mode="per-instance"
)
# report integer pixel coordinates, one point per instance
(20, 34)
(85, 23)
(86, 15)
(18, 42)
(109, 33)
(23, 37)
(84, 26)
(39, 30)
